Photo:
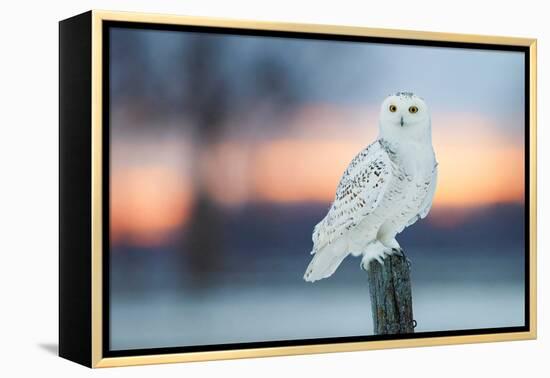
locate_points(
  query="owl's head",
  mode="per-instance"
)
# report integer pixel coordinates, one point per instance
(405, 116)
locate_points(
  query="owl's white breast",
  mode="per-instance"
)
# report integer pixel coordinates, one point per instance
(416, 159)
(412, 175)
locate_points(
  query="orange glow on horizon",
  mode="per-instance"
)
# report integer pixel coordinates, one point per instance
(477, 166)
(147, 204)
(293, 171)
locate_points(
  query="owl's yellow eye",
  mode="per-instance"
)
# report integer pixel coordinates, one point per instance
(393, 108)
(413, 109)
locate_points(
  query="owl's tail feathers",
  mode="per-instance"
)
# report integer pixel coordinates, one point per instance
(326, 260)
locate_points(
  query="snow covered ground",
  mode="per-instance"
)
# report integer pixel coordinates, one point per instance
(452, 292)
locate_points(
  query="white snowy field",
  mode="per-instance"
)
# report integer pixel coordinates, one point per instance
(470, 294)
(278, 314)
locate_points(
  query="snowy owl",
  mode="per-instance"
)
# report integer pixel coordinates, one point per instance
(388, 186)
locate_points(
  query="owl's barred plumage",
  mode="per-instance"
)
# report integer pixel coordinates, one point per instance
(387, 187)
(357, 194)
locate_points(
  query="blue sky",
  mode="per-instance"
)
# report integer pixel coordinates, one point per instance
(486, 82)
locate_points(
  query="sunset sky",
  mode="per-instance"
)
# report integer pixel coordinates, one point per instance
(476, 99)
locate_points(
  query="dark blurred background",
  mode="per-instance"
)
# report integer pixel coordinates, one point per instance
(226, 151)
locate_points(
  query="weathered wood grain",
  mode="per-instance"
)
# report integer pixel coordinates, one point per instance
(391, 295)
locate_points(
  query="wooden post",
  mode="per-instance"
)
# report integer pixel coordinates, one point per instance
(391, 296)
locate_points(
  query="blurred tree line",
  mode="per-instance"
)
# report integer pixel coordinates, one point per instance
(197, 85)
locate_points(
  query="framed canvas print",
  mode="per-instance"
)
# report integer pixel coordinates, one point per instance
(235, 189)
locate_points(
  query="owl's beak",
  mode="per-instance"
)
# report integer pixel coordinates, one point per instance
(402, 123)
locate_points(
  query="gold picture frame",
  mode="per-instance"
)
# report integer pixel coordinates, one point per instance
(90, 329)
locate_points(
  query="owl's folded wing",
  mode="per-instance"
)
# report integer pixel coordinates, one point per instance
(359, 192)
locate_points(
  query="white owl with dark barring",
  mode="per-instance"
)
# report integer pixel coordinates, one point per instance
(387, 187)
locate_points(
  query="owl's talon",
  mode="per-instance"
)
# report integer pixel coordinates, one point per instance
(398, 251)
(365, 264)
